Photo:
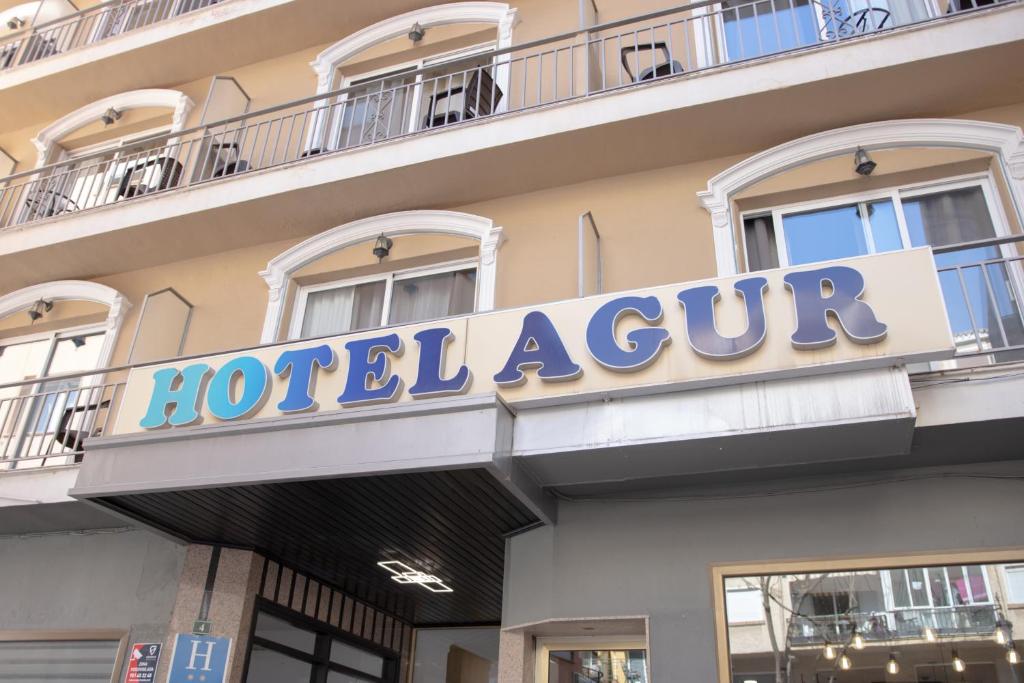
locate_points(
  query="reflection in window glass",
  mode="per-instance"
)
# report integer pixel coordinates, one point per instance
(824, 234)
(755, 29)
(597, 666)
(915, 612)
(356, 658)
(285, 633)
(270, 666)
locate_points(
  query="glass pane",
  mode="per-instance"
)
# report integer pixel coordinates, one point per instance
(269, 666)
(75, 354)
(976, 584)
(918, 591)
(958, 584)
(1015, 583)
(939, 589)
(900, 589)
(280, 631)
(356, 658)
(885, 231)
(824, 234)
(57, 660)
(22, 361)
(759, 236)
(950, 217)
(761, 28)
(377, 111)
(744, 605)
(338, 677)
(343, 309)
(432, 296)
(597, 666)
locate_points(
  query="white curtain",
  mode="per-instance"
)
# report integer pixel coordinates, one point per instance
(433, 296)
(328, 312)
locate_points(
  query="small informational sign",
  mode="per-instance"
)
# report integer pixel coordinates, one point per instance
(142, 663)
(202, 627)
(199, 659)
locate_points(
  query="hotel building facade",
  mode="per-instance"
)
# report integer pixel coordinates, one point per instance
(550, 341)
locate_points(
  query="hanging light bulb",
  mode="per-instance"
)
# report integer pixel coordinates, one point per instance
(892, 666)
(958, 664)
(1012, 656)
(830, 650)
(929, 634)
(844, 662)
(1002, 633)
(858, 641)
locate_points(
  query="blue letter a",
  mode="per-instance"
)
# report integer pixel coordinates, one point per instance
(539, 346)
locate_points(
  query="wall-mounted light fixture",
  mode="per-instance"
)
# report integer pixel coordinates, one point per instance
(39, 309)
(382, 247)
(109, 116)
(417, 32)
(403, 573)
(14, 23)
(863, 164)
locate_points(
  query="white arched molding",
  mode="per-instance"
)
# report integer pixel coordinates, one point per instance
(178, 102)
(74, 290)
(498, 13)
(1005, 142)
(280, 269)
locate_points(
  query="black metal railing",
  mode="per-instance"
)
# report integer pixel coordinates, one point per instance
(897, 624)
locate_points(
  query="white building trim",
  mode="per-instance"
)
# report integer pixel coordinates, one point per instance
(280, 269)
(178, 102)
(498, 13)
(74, 290)
(1005, 142)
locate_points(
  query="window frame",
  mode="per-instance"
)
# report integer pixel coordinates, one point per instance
(611, 642)
(896, 194)
(320, 661)
(389, 278)
(1012, 599)
(889, 594)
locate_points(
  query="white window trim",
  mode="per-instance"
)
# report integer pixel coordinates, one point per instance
(1003, 141)
(891, 601)
(1012, 600)
(75, 290)
(743, 622)
(388, 278)
(48, 138)
(546, 645)
(985, 181)
(280, 269)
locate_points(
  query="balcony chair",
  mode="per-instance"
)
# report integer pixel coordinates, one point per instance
(44, 203)
(132, 182)
(461, 104)
(666, 67)
(8, 54)
(73, 439)
(231, 164)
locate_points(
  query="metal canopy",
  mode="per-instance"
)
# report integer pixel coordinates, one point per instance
(451, 524)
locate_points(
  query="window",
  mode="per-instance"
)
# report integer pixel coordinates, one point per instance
(587, 660)
(383, 104)
(53, 660)
(821, 614)
(287, 651)
(981, 285)
(380, 300)
(744, 605)
(1015, 584)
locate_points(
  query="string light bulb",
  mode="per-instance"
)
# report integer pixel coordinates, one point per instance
(1012, 656)
(830, 650)
(929, 634)
(1002, 634)
(844, 662)
(858, 641)
(958, 664)
(892, 667)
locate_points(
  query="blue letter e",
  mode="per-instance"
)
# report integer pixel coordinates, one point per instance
(185, 398)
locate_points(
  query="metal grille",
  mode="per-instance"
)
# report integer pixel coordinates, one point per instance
(667, 44)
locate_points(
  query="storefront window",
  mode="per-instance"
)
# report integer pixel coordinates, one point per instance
(850, 626)
(597, 666)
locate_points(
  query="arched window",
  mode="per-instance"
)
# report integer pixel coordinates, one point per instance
(52, 337)
(430, 288)
(121, 165)
(423, 89)
(939, 183)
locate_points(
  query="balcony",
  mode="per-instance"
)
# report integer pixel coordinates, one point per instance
(343, 138)
(112, 46)
(897, 624)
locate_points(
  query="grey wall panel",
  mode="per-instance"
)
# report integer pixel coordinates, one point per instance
(605, 558)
